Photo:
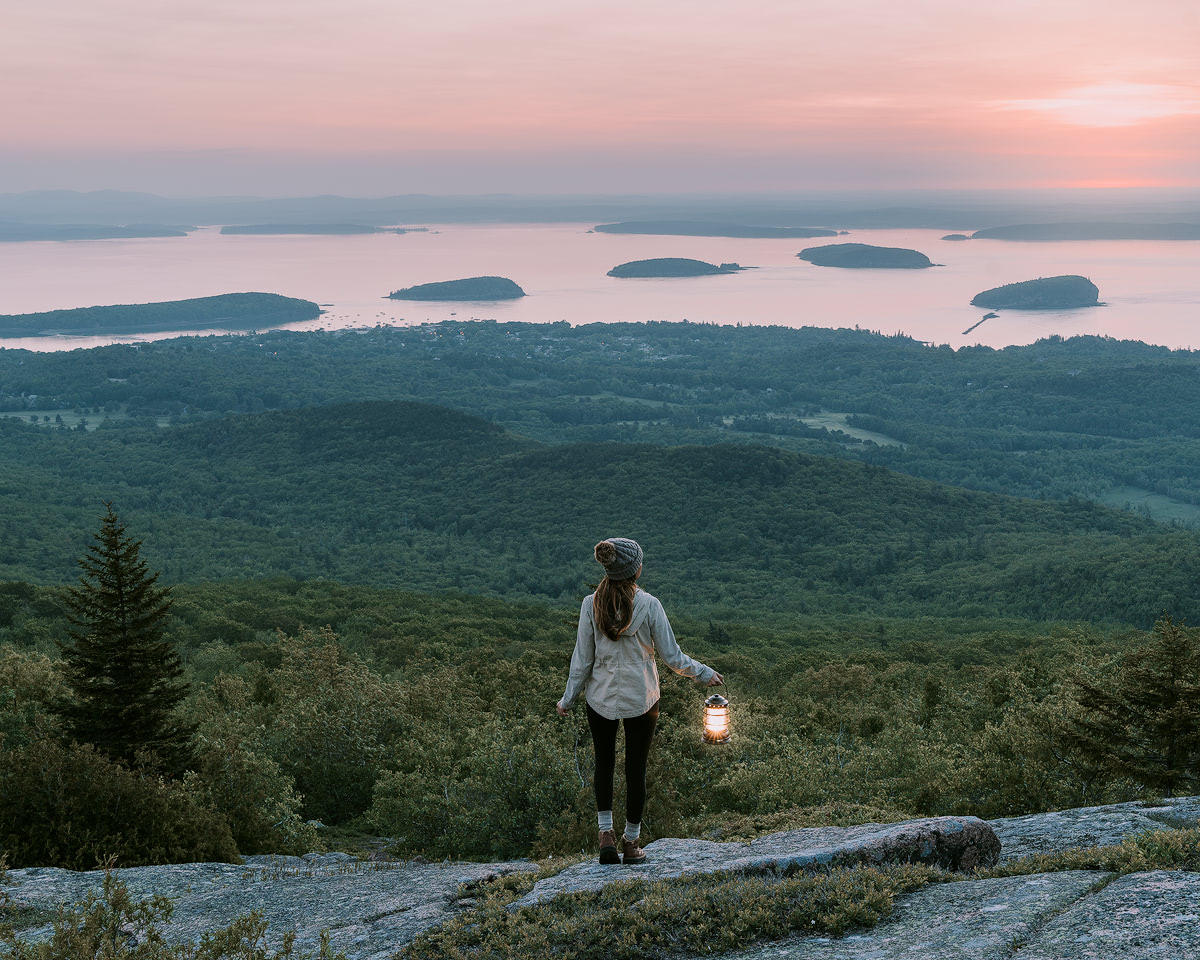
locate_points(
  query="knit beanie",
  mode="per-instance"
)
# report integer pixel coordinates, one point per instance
(621, 558)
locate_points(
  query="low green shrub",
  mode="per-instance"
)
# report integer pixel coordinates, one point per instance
(635, 919)
(70, 806)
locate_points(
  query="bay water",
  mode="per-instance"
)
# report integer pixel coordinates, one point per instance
(1151, 288)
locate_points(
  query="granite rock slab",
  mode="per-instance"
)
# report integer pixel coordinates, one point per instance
(956, 843)
(1090, 826)
(370, 909)
(969, 920)
(1137, 917)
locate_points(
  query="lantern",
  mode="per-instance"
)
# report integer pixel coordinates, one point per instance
(716, 719)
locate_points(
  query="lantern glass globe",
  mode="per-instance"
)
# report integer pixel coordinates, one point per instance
(716, 719)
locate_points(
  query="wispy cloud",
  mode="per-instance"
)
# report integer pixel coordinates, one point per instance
(1113, 104)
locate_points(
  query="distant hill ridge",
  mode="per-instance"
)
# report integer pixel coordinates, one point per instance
(697, 228)
(1090, 231)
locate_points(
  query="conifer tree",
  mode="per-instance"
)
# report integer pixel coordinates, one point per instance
(1143, 723)
(126, 679)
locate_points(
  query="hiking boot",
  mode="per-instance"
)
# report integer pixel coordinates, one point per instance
(608, 847)
(633, 853)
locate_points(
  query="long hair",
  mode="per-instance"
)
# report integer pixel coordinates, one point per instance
(613, 605)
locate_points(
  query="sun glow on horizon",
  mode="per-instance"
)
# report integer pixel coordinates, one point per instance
(1114, 104)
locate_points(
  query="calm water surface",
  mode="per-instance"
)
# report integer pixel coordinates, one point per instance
(1152, 289)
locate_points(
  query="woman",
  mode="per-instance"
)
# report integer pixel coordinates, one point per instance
(620, 628)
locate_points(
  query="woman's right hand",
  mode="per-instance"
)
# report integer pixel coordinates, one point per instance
(715, 680)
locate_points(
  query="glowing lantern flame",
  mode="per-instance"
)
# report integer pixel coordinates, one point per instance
(716, 719)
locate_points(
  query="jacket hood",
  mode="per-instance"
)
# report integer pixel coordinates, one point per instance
(641, 607)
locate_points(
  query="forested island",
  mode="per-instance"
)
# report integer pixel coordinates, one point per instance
(1044, 293)
(229, 311)
(865, 255)
(689, 228)
(315, 229)
(1091, 231)
(671, 267)
(470, 288)
(17, 232)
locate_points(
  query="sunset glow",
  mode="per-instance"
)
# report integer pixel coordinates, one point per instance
(371, 97)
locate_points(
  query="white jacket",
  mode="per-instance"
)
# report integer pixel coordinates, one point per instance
(619, 678)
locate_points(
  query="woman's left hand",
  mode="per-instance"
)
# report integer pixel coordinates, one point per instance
(715, 680)
(561, 711)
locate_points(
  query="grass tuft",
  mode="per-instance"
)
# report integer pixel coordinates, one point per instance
(635, 918)
(1150, 850)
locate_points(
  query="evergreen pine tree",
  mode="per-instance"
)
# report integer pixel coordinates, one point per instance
(1144, 722)
(126, 679)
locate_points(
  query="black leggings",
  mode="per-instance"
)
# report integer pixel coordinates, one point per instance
(639, 731)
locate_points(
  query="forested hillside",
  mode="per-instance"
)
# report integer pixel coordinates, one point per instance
(398, 494)
(1086, 417)
(378, 541)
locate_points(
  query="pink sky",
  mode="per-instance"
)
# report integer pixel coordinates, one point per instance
(372, 97)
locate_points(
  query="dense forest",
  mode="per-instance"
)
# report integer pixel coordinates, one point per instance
(377, 542)
(1086, 417)
(390, 492)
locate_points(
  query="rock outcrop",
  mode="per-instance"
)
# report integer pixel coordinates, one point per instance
(696, 228)
(371, 909)
(1090, 826)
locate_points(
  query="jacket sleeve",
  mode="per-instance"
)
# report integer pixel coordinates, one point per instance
(584, 657)
(668, 648)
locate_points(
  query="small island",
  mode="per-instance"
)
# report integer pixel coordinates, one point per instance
(956, 236)
(865, 256)
(1058, 232)
(690, 228)
(26, 232)
(470, 288)
(229, 311)
(671, 267)
(1044, 293)
(314, 229)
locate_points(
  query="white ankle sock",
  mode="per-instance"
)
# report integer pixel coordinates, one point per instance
(632, 830)
(604, 819)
